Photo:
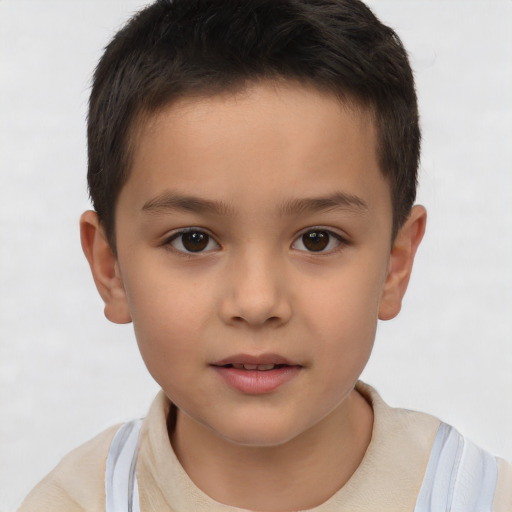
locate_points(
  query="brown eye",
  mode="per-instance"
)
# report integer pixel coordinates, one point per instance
(193, 241)
(317, 240)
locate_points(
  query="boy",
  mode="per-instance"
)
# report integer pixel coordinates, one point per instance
(253, 170)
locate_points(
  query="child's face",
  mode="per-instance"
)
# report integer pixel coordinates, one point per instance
(255, 228)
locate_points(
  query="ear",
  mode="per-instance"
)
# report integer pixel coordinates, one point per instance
(401, 259)
(104, 268)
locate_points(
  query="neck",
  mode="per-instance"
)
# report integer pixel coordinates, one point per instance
(297, 475)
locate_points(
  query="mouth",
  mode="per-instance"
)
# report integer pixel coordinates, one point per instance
(262, 362)
(258, 367)
(256, 375)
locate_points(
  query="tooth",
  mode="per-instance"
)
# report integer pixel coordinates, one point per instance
(250, 366)
(238, 366)
(266, 366)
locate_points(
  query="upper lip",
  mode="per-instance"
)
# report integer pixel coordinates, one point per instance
(254, 359)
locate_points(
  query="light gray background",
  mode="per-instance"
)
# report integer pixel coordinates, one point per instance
(66, 373)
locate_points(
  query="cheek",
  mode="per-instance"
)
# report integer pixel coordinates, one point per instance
(168, 318)
(166, 301)
(343, 317)
(346, 303)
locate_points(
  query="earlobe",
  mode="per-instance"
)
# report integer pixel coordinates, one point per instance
(401, 260)
(104, 268)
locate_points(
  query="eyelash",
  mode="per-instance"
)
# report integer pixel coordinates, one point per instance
(203, 244)
(331, 237)
(178, 236)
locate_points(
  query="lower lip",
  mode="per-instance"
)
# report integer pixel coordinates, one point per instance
(257, 382)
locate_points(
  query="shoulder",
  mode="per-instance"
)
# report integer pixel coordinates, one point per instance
(77, 482)
(437, 458)
(392, 470)
(399, 428)
(503, 496)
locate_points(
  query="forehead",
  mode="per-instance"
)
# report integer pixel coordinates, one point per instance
(276, 140)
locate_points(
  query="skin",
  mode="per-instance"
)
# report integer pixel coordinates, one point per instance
(263, 157)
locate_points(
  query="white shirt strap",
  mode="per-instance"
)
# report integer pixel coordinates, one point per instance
(121, 489)
(460, 477)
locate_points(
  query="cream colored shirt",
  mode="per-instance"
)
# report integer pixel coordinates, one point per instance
(387, 480)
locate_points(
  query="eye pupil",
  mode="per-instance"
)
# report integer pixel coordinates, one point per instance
(315, 240)
(195, 241)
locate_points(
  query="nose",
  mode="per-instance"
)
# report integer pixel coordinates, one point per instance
(256, 292)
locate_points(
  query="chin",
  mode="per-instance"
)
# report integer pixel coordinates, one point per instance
(255, 434)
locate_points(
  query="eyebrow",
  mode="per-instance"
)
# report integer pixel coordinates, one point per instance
(169, 202)
(332, 202)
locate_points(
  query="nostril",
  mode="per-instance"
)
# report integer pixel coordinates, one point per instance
(238, 309)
